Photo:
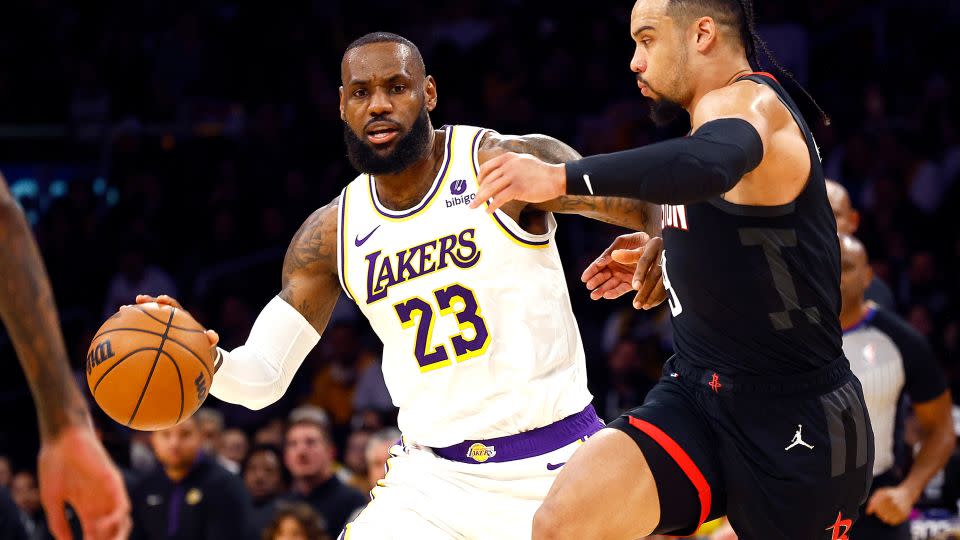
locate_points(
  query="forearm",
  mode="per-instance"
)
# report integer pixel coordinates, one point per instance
(633, 214)
(678, 171)
(29, 313)
(259, 372)
(935, 450)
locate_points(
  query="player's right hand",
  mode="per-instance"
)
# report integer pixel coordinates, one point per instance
(74, 468)
(171, 301)
(630, 263)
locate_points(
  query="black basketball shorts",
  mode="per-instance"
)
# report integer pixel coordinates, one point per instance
(782, 457)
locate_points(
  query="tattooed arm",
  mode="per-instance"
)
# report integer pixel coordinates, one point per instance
(72, 466)
(259, 372)
(630, 213)
(30, 316)
(310, 282)
(636, 264)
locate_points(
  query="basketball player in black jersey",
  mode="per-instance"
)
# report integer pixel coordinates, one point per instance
(758, 415)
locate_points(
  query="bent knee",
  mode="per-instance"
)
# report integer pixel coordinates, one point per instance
(550, 524)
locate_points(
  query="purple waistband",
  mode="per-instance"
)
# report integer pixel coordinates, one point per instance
(528, 444)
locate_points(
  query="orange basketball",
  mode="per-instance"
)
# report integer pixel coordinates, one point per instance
(150, 366)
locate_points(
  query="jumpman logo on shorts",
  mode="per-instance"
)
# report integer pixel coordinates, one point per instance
(798, 439)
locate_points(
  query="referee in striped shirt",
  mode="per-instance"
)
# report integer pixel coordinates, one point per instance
(890, 358)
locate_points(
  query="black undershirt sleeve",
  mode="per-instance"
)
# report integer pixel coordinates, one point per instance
(679, 171)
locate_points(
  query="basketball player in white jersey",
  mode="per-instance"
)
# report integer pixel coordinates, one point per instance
(482, 353)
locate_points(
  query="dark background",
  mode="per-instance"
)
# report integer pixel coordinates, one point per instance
(189, 140)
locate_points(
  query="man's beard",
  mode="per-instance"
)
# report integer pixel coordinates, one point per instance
(664, 111)
(408, 149)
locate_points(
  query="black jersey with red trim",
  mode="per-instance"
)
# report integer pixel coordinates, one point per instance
(755, 290)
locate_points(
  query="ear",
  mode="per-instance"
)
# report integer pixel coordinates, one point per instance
(869, 276)
(430, 92)
(854, 221)
(706, 33)
(343, 115)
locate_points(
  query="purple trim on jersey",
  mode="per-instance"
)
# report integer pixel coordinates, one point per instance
(531, 443)
(436, 186)
(865, 320)
(474, 159)
(473, 163)
(173, 512)
(515, 236)
(343, 239)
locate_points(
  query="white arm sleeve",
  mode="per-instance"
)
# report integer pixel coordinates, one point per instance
(259, 372)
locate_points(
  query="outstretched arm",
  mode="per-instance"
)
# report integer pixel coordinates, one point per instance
(73, 466)
(732, 127)
(289, 327)
(631, 263)
(630, 213)
(258, 373)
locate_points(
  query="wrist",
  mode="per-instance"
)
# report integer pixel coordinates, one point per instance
(576, 181)
(559, 174)
(73, 414)
(913, 490)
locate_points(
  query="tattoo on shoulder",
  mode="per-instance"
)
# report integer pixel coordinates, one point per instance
(544, 147)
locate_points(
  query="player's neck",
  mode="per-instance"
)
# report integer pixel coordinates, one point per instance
(717, 74)
(853, 314)
(405, 189)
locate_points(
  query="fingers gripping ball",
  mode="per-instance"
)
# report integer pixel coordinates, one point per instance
(150, 366)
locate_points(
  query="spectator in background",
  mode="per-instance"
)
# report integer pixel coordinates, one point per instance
(335, 382)
(11, 528)
(271, 433)
(5, 472)
(210, 423)
(889, 358)
(309, 456)
(23, 490)
(378, 452)
(371, 393)
(848, 221)
(354, 469)
(296, 522)
(141, 456)
(190, 496)
(232, 449)
(263, 475)
(135, 277)
(629, 376)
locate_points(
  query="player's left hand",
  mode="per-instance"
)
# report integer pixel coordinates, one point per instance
(521, 177)
(630, 263)
(73, 467)
(891, 505)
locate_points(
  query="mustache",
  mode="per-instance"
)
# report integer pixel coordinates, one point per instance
(382, 118)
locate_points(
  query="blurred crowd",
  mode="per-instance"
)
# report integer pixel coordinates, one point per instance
(198, 136)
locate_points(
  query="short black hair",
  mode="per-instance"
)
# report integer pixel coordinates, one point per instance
(386, 37)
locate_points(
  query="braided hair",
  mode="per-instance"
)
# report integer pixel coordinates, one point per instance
(739, 14)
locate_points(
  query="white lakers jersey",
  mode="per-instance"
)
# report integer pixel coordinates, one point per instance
(479, 337)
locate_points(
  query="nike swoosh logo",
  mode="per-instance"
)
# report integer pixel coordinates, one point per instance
(359, 241)
(553, 467)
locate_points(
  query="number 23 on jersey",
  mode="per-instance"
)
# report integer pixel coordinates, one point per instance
(457, 300)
